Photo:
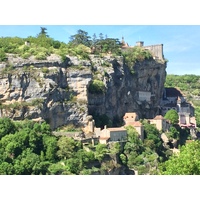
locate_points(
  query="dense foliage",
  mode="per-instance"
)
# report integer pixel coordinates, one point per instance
(143, 156)
(30, 148)
(96, 87)
(172, 116)
(189, 83)
(27, 147)
(80, 44)
(135, 54)
(187, 162)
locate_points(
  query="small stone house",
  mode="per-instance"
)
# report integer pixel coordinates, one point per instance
(161, 123)
(132, 119)
(113, 134)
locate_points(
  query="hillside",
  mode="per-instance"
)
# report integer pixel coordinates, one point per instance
(189, 86)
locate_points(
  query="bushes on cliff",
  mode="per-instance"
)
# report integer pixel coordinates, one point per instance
(97, 87)
(10, 44)
(135, 54)
(83, 51)
(2, 55)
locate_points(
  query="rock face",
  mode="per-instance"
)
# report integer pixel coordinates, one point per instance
(58, 91)
(139, 92)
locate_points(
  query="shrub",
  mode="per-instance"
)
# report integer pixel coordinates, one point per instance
(135, 54)
(40, 56)
(45, 70)
(97, 87)
(26, 55)
(82, 51)
(2, 55)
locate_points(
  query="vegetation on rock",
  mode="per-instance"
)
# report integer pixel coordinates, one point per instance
(27, 147)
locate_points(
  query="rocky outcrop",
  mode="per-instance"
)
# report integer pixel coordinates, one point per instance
(123, 89)
(57, 91)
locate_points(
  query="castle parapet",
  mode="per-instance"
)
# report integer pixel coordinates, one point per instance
(156, 50)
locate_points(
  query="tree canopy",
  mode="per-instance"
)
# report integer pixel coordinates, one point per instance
(187, 162)
(172, 116)
(43, 32)
(81, 38)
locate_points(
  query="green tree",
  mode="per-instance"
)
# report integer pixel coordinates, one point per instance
(41, 167)
(43, 32)
(81, 38)
(133, 148)
(26, 162)
(7, 126)
(152, 137)
(101, 150)
(6, 168)
(66, 147)
(101, 36)
(58, 168)
(133, 143)
(3, 56)
(187, 162)
(50, 147)
(115, 148)
(94, 39)
(172, 116)
(173, 133)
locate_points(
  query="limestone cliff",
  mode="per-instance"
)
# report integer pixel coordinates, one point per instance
(139, 92)
(58, 91)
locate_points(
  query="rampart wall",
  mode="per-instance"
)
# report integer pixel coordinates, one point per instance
(156, 50)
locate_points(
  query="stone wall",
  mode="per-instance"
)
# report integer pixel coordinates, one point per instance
(156, 50)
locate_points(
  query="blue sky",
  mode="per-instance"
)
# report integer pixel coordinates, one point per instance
(175, 25)
(177, 28)
(181, 43)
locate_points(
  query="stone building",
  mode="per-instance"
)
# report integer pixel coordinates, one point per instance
(174, 99)
(105, 135)
(156, 50)
(144, 96)
(113, 134)
(132, 119)
(160, 122)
